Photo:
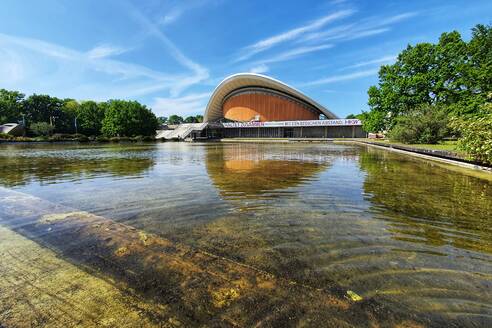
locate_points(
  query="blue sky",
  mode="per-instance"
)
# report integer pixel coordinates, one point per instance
(170, 55)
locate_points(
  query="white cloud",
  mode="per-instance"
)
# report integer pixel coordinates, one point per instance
(293, 53)
(293, 34)
(187, 105)
(339, 78)
(364, 28)
(259, 69)
(200, 73)
(177, 10)
(11, 66)
(398, 18)
(172, 16)
(37, 66)
(381, 60)
(105, 50)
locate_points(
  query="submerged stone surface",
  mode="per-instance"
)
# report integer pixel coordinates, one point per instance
(134, 277)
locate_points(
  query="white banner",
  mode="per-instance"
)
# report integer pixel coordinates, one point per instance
(279, 124)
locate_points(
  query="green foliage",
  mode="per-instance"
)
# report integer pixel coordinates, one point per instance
(43, 108)
(5, 136)
(67, 116)
(423, 125)
(162, 120)
(41, 128)
(128, 118)
(190, 119)
(199, 118)
(175, 119)
(11, 106)
(351, 116)
(451, 73)
(374, 120)
(476, 134)
(89, 117)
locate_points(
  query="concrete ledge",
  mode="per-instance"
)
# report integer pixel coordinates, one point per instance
(438, 156)
(277, 140)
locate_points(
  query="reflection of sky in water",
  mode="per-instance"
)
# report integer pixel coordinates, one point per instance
(402, 230)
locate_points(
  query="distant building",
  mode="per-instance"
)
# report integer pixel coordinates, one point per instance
(13, 129)
(248, 105)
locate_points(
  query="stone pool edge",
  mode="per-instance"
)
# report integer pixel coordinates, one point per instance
(415, 152)
(421, 154)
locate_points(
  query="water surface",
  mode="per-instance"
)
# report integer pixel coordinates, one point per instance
(413, 236)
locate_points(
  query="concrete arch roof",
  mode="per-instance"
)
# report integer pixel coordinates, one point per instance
(243, 80)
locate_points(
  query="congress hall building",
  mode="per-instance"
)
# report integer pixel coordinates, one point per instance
(248, 105)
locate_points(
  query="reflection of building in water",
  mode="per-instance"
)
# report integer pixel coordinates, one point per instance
(244, 170)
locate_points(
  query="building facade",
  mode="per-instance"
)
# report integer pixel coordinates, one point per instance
(248, 105)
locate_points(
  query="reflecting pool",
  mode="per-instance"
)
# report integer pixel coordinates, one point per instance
(189, 234)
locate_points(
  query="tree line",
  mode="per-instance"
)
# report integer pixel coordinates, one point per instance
(43, 115)
(437, 90)
(176, 119)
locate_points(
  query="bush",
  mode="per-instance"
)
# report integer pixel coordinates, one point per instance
(424, 125)
(101, 139)
(41, 129)
(5, 136)
(120, 139)
(476, 136)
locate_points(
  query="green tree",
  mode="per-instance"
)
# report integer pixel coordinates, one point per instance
(199, 118)
(65, 122)
(476, 134)
(175, 119)
(43, 108)
(452, 73)
(90, 116)
(190, 119)
(374, 120)
(41, 128)
(162, 119)
(423, 125)
(11, 106)
(128, 118)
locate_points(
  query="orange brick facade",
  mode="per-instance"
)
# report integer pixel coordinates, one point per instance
(245, 107)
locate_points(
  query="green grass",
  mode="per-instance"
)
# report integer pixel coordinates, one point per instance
(444, 145)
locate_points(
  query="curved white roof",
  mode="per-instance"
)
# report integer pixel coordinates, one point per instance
(241, 80)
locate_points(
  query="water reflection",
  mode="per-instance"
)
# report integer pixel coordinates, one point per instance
(424, 203)
(401, 232)
(251, 173)
(50, 164)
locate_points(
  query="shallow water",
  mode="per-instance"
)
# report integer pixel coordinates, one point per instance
(411, 236)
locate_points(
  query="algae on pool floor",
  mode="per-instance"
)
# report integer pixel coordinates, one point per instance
(181, 285)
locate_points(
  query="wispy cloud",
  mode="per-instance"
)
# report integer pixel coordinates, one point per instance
(293, 53)
(364, 28)
(259, 69)
(344, 77)
(178, 9)
(200, 73)
(377, 61)
(60, 68)
(191, 104)
(290, 35)
(11, 66)
(105, 50)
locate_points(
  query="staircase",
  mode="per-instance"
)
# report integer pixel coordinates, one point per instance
(181, 132)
